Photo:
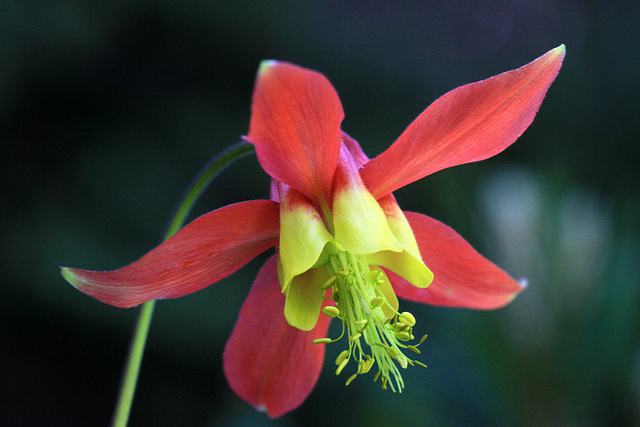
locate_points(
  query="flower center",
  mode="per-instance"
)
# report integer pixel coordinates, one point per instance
(367, 314)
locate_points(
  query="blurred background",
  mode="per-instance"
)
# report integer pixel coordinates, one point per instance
(108, 109)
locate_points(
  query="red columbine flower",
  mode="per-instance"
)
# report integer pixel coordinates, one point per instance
(343, 246)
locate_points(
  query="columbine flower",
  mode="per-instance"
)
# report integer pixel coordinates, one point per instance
(344, 249)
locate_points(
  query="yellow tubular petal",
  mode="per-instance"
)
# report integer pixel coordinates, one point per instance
(304, 298)
(407, 264)
(303, 235)
(360, 224)
(399, 225)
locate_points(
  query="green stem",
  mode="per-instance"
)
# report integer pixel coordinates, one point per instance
(178, 218)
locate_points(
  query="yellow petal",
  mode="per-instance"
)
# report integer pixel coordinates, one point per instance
(399, 225)
(405, 265)
(303, 235)
(360, 224)
(408, 263)
(304, 298)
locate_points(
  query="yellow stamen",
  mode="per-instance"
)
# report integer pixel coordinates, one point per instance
(331, 311)
(404, 336)
(407, 318)
(341, 366)
(329, 283)
(355, 336)
(351, 378)
(362, 324)
(341, 357)
(412, 348)
(362, 306)
(376, 302)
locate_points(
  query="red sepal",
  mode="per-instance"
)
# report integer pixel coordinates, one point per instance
(461, 276)
(295, 127)
(268, 363)
(207, 250)
(468, 124)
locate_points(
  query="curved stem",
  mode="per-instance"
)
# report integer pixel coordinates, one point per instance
(200, 183)
(141, 329)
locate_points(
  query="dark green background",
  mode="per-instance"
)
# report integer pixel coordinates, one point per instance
(107, 110)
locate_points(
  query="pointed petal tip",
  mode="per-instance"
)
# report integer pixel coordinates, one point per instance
(508, 299)
(68, 275)
(523, 282)
(72, 276)
(93, 284)
(557, 54)
(265, 65)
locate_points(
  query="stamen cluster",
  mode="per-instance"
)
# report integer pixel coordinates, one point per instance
(361, 295)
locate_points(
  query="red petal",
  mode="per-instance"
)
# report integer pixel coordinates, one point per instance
(209, 249)
(462, 277)
(269, 364)
(468, 124)
(295, 127)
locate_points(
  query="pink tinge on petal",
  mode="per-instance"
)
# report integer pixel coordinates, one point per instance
(205, 251)
(462, 277)
(295, 127)
(468, 124)
(268, 363)
(354, 148)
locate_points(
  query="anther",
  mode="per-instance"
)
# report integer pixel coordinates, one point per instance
(355, 336)
(321, 341)
(376, 302)
(407, 318)
(400, 327)
(368, 364)
(342, 357)
(329, 283)
(342, 273)
(391, 353)
(404, 336)
(351, 378)
(412, 348)
(341, 366)
(362, 324)
(331, 311)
